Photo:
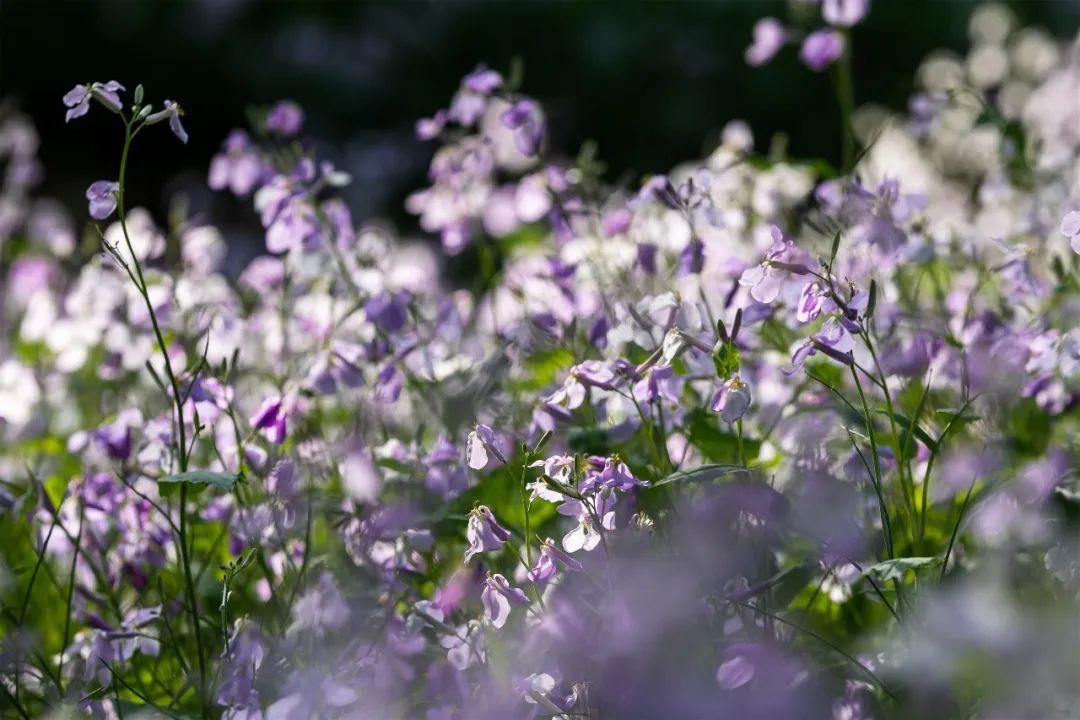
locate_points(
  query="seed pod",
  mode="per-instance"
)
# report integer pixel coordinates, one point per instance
(721, 331)
(872, 301)
(737, 326)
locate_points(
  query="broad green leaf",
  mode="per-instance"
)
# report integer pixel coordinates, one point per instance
(897, 568)
(198, 479)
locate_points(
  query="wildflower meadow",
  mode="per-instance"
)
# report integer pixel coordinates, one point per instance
(748, 437)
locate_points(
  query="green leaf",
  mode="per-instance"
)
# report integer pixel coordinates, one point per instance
(726, 360)
(897, 568)
(703, 473)
(906, 423)
(198, 479)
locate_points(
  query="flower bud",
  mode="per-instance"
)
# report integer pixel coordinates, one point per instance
(732, 400)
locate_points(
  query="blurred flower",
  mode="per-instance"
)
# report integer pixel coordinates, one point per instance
(769, 36)
(285, 118)
(821, 49)
(844, 13)
(102, 196)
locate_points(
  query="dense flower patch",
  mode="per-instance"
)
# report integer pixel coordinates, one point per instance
(754, 438)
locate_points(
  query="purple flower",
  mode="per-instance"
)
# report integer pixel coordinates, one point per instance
(238, 168)
(646, 258)
(102, 197)
(692, 257)
(482, 81)
(1070, 228)
(551, 556)
(596, 373)
(821, 49)
(523, 117)
(429, 128)
(732, 400)
(617, 475)
(115, 438)
(78, 98)
(388, 385)
(270, 418)
(172, 113)
(844, 13)
(295, 226)
(482, 441)
(496, 598)
(285, 118)
(735, 673)
(484, 533)
(389, 311)
(767, 279)
(769, 37)
(585, 535)
(810, 303)
(616, 222)
(659, 382)
(818, 344)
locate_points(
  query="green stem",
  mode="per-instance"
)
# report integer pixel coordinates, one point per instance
(70, 597)
(845, 97)
(178, 401)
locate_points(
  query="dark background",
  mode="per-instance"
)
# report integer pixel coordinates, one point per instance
(651, 83)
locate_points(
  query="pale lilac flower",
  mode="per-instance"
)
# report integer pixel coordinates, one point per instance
(658, 383)
(769, 37)
(429, 128)
(585, 535)
(285, 118)
(811, 302)
(615, 474)
(731, 400)
(496, 598)
(616, 222)
(523, 117)
(238, 168)
(484, 532)
(767, 279)
(844, 13)
(481, 442)
(821, 49)
(735, 673)
(1070, 228)
(78, 98)
(103, 197)
(548, 560)
(172, 113)
(482, 80)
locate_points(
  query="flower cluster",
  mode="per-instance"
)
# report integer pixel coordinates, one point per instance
(752, 438)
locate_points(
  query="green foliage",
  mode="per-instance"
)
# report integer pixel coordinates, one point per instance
(197, 480)
(716, 445)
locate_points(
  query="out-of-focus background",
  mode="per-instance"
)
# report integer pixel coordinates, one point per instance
(651, 83)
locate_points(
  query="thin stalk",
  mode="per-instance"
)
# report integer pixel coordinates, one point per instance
(70, 596)
(182, 449)
(845, 97)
